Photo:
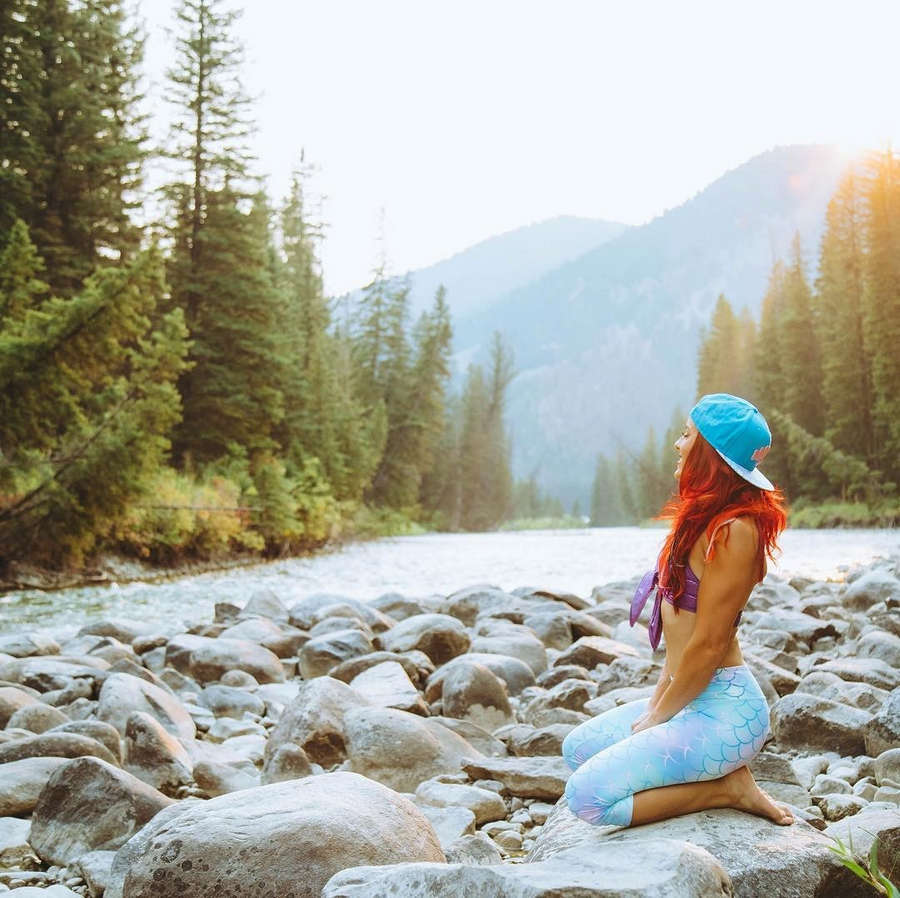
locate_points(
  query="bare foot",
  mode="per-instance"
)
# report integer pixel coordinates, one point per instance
(745, 795)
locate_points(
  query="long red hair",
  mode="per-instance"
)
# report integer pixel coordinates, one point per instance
(710, 492)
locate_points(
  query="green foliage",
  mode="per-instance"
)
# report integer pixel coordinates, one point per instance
(550, 522)
(869, 873)
(820, 515)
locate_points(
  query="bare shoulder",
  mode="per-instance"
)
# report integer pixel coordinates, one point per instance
(743, 538)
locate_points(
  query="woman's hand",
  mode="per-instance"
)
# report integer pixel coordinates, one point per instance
(645, 721)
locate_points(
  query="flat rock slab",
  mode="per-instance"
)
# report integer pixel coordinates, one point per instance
(283, 839)
(761, 857)
(662, 868)
(536, 777)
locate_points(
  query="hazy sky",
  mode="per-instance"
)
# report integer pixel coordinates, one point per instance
(466, 119)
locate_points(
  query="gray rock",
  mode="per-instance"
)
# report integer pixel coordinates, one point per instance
(665, 868)
(591, 651)
(377, 737)
(863, 828)
(829, 685)
(103, 733)
(55, 745)
(478, 738)
(873, 586)
(315, 720)
(418, 665)
(290, 762)
(21, 783)
(825, 784)
(557, 674)
(887, 766)
(864, 670)
(307, 612)
(484, 804)
(803, 628)
(118, 628)
(227, 701)
(388, 685)
(94, 868)
(545, 741)
(513, 671)
(760, 857)
(476, 849)
(122, 694)
(216, 779)
(883, 730)
(837, 805)
(24, 645)
(37, 718)
(14, 848)
(207, 660)
(881, 645)
(282, 839)
(449, 823)
(466, 604)
(440, 636)
(397, 606)
(154, 755)
(265, 603)
(321, 654)
(57, 672)
(552, 629)
(87, 805)
(807, 722)
(526, 777)
(13, 699)
(52, 891)
(472, 692)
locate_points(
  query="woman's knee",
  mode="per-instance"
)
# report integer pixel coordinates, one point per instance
(596, 808)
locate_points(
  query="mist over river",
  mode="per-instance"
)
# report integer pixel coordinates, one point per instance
(567, 560)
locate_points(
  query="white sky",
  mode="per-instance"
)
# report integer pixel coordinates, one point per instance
(466, 119)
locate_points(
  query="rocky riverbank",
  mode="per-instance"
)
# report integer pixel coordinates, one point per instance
(411, 746)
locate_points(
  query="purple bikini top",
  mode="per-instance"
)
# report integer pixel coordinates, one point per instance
(687, 600)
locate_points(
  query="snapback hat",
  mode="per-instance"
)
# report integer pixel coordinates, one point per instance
(737, 430)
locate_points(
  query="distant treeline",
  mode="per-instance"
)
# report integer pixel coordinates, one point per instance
(183, 388)
(822, 363)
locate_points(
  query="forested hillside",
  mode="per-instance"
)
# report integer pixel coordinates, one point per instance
(184, 389)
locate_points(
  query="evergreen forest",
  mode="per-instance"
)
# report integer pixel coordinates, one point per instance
(822, 364)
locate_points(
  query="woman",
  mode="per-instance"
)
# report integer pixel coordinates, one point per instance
(686, 748)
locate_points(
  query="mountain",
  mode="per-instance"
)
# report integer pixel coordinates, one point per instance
(478, 276)
(606, 344)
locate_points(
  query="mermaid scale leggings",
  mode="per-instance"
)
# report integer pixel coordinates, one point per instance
(720, 730)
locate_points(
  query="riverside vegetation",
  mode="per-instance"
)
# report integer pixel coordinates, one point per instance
(412, 745)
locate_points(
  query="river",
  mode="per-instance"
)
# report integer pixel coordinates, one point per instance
(570, 560)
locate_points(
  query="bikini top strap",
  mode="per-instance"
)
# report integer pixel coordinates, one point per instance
(712, 536)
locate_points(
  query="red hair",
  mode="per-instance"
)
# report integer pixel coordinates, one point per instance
(710, 492)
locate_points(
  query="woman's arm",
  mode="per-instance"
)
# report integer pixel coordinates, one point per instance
(724, 589)
(661, 685)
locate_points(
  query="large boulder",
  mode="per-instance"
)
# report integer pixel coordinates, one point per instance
(325, 652)
(401, 749)
(21, 783)
(388, 685)
(872, 586)
(55, 745)
(287, 838)
(471, 691)
(24, 645)
(808, 722)
(535, 777)
(760, 857)
(90, 805)
(883, 730)
(873, 671)
(439, 636)
(122, 694)
(208, 660)
(13, 699)
(660, 867)
(591, 651)
(513, 671)
(315, 721)
(154, 755)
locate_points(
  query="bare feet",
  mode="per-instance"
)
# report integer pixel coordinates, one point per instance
(745, 795)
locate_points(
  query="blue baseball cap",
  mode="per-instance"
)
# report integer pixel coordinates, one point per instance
(737, 430)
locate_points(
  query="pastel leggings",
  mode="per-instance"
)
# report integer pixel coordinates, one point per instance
(717, 732)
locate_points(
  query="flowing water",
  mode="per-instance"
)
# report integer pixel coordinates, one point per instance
(569, 560)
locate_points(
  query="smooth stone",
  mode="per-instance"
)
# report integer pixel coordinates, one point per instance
(388, 685)
(887, 766)
(289, 762)
(122, 694)
(881, 645)
(476, 849)
(94, 868)
(484, 804)
(808, 722)
(55, 745)
(513, 671)
(658, 867)
(265, 603)
(836, 806)
(38, 718)
(322, 653)
(315, 720)
(21, 783)
(227, 701)
(440, 636)
(863, 828)
(219, 779)
(282, 839)
(524, 645)
(872, 586)
(535, 777)
(418, 665)
(53, 891)
(154, 755)
(376, 737)
(208, 660)
(87, 805)
(13, 699)
(863, 670)
(479, 738)
(24, 645)
(449, 823)
(591, 651)
(14, 848)
(472, 692)
(882, 732)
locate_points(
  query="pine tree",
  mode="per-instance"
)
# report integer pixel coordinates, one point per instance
(846, 366)
(606, 506)
(20, 267)
(717, 371)
(767, 362)
(72, 146)
(881, 304)
(799, 355)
